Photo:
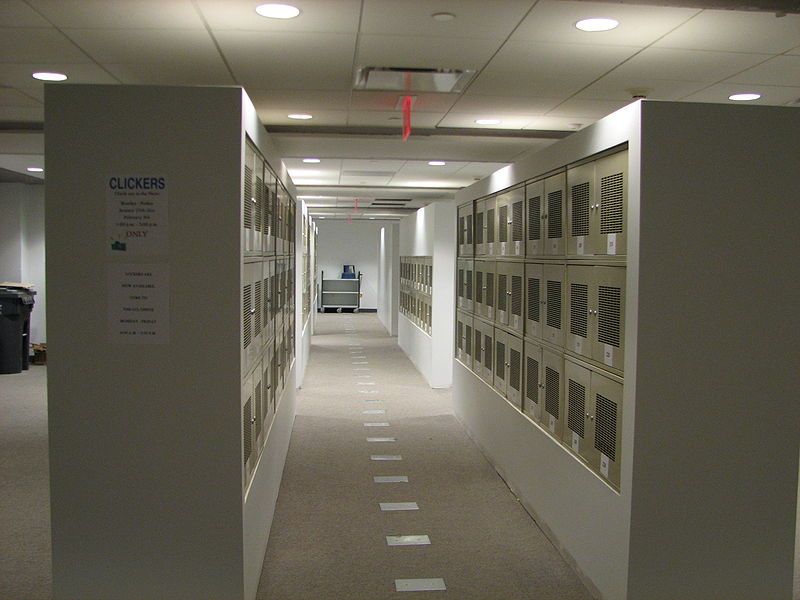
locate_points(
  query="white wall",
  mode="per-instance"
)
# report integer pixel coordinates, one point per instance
(356, 243)
(22, 246)
(389, 278)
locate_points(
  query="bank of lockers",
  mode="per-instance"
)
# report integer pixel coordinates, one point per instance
(553, 297)
(510, 282)
(533, 384)
(593, 425)
(596, 313)
(545, 202)
(510, 225)
(553, 392)
(464, 338)
(484, 288)
(597, 206)
(465, 230)
(252, 326)
(464, 283)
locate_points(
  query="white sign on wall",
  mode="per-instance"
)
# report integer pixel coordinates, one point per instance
(138, 303)
(137, 215)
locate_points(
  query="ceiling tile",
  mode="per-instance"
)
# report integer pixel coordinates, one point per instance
(121, 14)
(475, 103)
(420, 169)
(22, 113)
(295, 60)
(554, 21)
(547, 70)
(555, 123)
(212, 72)
(770, 95)
(781, 70)
(375, 118)
(19, 74)
(273, 116)
(353, 164)
(16, 13)
(736, 31)
(146, 46)
(479, 170)
(387, 101)
(364, 180)
(691, 65)
(13, 97)
(594, 109)
(423, 52)
(37, 45)
(474, 18)
(617, 87)
(317, 16)
(299, 100)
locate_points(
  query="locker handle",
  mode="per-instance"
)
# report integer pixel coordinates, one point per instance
(253, 420)
(252, 311)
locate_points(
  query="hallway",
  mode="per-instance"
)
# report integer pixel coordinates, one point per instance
(329, 536)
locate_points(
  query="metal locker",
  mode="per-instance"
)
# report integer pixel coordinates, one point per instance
(281, 243)
(479, 291)
(469, 277)
(252, 339)
(468, 334)
(516, 287)
(477, 347)
(464, 281)
(267, 392)
(270, 196)
(580, 205)
(534, 383)
(514, 364)
(248, 455)
(517, 225)
(534, 209)
(489, 225)
(489, 268)
(609, 313)
(274, 378)
(607, 410)
(553, 379)
(581, 300)
(610, 214)
(465, 245)
(480, 228)
(579, 424)
(500, 361)
(258, 408)
(501, 238)
(487, 374)
(258, 208)
(509, 230)
(552, 330)
(534, 300)
(258, 314)
(266, 302)
(555, 213)
(248, 201)
(503, 296)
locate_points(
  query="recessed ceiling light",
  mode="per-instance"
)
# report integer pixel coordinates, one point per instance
(597, 24)
(278, 11)
(300, 116)
(312, 161)
(46, 76)
(372, 218)
(443, 17)
(322, 217)
(35, 170)
(488, 121)
(436, 163)
(744, 97)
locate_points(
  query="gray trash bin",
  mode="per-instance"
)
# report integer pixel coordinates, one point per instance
(16, 305)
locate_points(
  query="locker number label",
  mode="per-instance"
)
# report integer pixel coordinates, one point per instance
(551, 423)
(611, 244)
(608, 355)
(502, 247)
(581, 243)
(576, 442)
(579, 346)
(517, 247)
(516, 322)
(604, 462)
(554, 247)
(490, 248)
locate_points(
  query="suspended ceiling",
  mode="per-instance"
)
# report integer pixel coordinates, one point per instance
(533, 71)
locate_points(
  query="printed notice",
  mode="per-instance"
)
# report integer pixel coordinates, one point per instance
(138, 303)
(137, 215)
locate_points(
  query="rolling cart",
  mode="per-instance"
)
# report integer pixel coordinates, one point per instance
(341, 294)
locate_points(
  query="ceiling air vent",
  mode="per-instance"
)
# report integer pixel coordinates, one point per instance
(400, 79)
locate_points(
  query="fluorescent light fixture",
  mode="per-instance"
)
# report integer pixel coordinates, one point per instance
(443, 17)
(311, 161)
(300, 116)
(488, 121)
(602, 24)
(278, 11)
(322, 217)
(436, 163)
(744, 97)
(372, 218)
(46, 76)
(35, 170)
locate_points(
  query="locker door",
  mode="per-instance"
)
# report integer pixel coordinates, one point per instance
(460, 283)
(488, 291)
(488, 354)
(501, 237)
(489, 225)
(581, 203)
(517, 223)
(581, 293)
(258, 208)
(460, 336)
(503, 296)
(534, 385)
(248, 201)
(465, 230)
(555, 213)
(480, 228)
(477, 348)
(534, 193)
(607, 396)
(534, 300)
(478, 289)
(274, 377)
(267, 397)
(266, 300)
(258, 299)
(461, 231)
(469, 275)
(609, 312)
(470, 249)
(500, 361)
(611, 214)
(258, 408)
(579, 426)
(468, 335)
(248, 456)
(554, 304)
(553, 376)
(517, 297)
(514, 386)
(269, 211)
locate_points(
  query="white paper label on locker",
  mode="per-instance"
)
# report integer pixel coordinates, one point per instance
(515, 323)
(554, 246)
(576, 442)
(581, 243)
(490, 247)
(611, 245)
(604, 462)
(579, 345)
(608, 355)
(517, 247)
(490, 312)
(502, 247)
(137, 215)
(551, 423)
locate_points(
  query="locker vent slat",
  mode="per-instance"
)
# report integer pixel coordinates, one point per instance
(469, 229)
(611, 201)
(247, 303)
(479, 286)
(500, 360)
(576, 397)
(608, 315)
(468, 275)
(578, 309)
(580, 208)
(487, 351)
(259, 420)
(468, 341)
(516, 295)
(516, 218)
(605, 436)
(257, 314)
(479, 228)
(490, 289)
(247, 432)
(490, 226)
(265, 305)
(477, 355)
(461, 230)
(502, 288)
(269, 212)
(514, 375)
(555, 203)
(554, 304)
(259, 205)
(552, 383)
(502, 223)
(247, 199)
(534, 220)
(460, 335)
(461, 283)
(533, 299)
(532, 380)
